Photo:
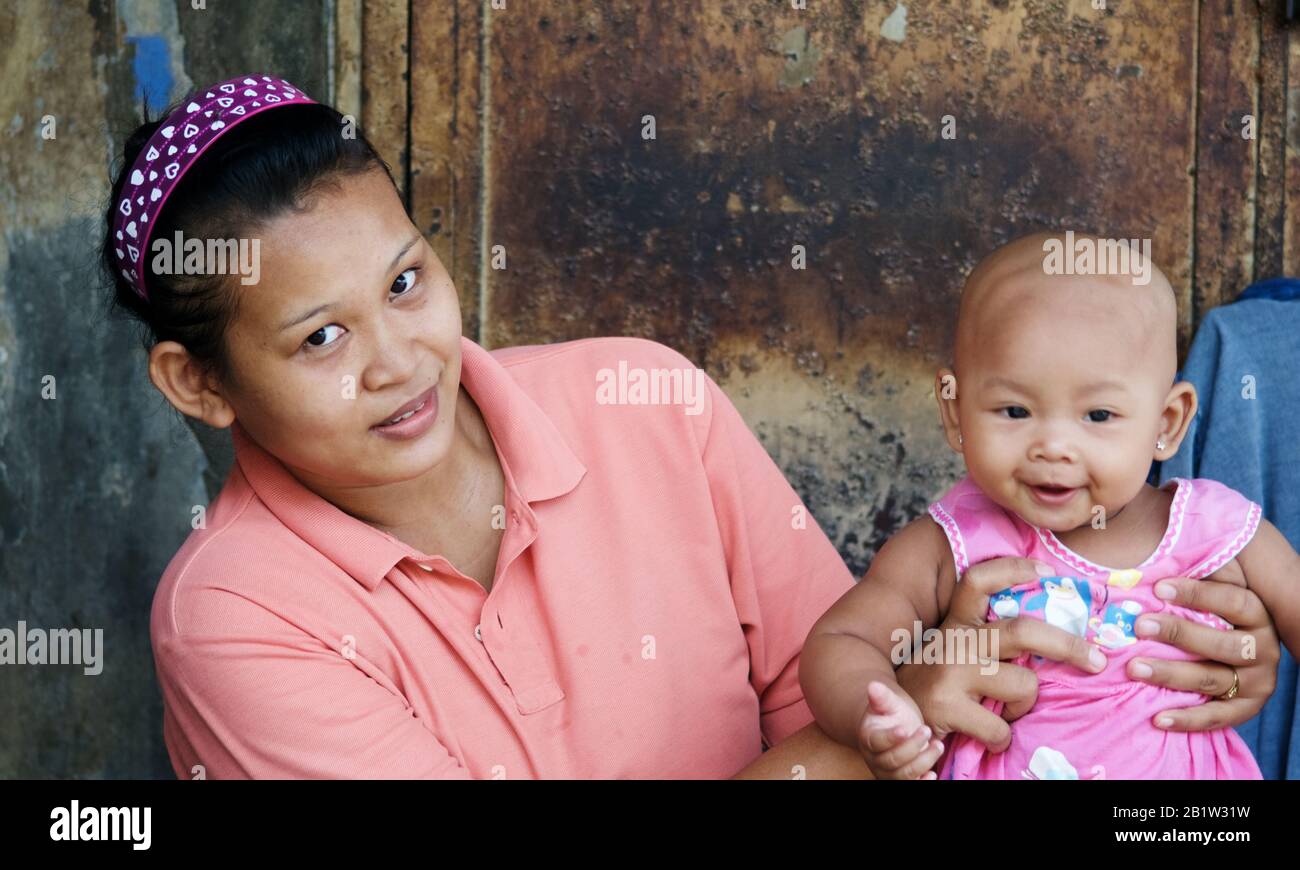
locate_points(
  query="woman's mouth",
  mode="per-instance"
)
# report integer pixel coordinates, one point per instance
(413, 419)
(1052, 495)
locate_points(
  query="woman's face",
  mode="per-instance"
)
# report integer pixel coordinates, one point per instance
(353, 318)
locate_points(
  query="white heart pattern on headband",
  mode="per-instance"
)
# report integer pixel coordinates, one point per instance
(199, 125)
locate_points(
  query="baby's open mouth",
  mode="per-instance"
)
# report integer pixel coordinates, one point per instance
(1052, 493)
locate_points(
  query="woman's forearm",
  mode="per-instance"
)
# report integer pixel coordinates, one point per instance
(807, 754)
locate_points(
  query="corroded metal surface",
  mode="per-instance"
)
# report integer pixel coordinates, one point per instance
(824, 129)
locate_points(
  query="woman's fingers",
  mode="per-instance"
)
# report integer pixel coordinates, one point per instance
(1017, 636)
(970, 601)
(1229, 647)
(1208, 678)
(1236, 604)
(1209, 716)
(976, 721)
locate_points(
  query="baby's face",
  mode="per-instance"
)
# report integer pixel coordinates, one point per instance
(1063, 389)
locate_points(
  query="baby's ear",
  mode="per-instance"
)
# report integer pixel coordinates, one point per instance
(1180, 409)
(945, 391)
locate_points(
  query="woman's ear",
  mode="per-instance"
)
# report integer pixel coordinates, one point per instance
(1180, 408)
(945, 390)
(187, 387)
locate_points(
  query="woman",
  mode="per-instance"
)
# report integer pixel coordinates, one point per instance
(430, 560)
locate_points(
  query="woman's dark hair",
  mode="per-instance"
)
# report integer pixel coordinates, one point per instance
(262, 168)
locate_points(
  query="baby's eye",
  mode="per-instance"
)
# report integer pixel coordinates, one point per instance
(1099, 416)
(320, 333)
(1015, 412)
(409, 283)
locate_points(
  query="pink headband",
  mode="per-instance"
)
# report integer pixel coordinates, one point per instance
(174, 147)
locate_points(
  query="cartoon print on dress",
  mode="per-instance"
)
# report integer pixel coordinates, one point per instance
(1125, 579)
(1006, 604)
(1115, 629)
(1066, 603)
(1049, 763)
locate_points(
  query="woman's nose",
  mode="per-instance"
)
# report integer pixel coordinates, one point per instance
(394, 357)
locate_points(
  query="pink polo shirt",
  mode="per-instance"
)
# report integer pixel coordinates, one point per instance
(654, 587)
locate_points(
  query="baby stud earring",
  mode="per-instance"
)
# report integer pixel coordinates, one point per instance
(1160, 444)
(959, 439)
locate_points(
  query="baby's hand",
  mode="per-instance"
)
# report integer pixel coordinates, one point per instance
(894, 739)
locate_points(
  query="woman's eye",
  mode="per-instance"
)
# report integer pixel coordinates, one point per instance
(1099, 416)
(1015, 412)
(410, 282)
(322, 334)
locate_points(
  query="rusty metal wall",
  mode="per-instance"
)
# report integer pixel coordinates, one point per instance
(520, 124)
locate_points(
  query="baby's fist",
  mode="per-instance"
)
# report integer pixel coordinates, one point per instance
(894, 739)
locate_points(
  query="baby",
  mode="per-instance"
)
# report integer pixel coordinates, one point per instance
(1061, 394)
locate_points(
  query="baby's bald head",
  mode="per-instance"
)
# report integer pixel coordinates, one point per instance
(1011, 290)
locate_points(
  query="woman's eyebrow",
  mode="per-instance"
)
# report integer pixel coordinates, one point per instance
(319, 308)
(402, 253)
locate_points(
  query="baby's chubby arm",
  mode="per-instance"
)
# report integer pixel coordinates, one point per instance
(910, 579)
(1272, 570)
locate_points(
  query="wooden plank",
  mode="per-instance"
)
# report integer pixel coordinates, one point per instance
(385, 81)
(346, 78)
(446, 147)
(1270, 183)
(1291, 229)
(1227, 93)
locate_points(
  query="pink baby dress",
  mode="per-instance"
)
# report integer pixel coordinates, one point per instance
(1098, 726)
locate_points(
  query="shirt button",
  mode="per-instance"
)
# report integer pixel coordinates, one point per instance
(478, 633)
(426, 567)
(514, 517)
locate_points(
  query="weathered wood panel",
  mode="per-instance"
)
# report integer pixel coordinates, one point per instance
(385, 83)
(447, 142)
(1227, 112)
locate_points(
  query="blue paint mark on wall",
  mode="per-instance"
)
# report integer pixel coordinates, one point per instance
(153, 70)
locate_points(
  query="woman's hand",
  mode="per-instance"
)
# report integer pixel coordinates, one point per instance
(1252, 649)
(950, 695)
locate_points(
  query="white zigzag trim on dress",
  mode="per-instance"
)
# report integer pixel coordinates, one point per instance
(1175, 529)
(1235, 546)
(953, 532)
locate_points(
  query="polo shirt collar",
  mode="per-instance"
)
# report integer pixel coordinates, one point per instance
(534, 454)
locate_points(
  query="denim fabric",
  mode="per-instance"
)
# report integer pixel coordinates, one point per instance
(1245, 364)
